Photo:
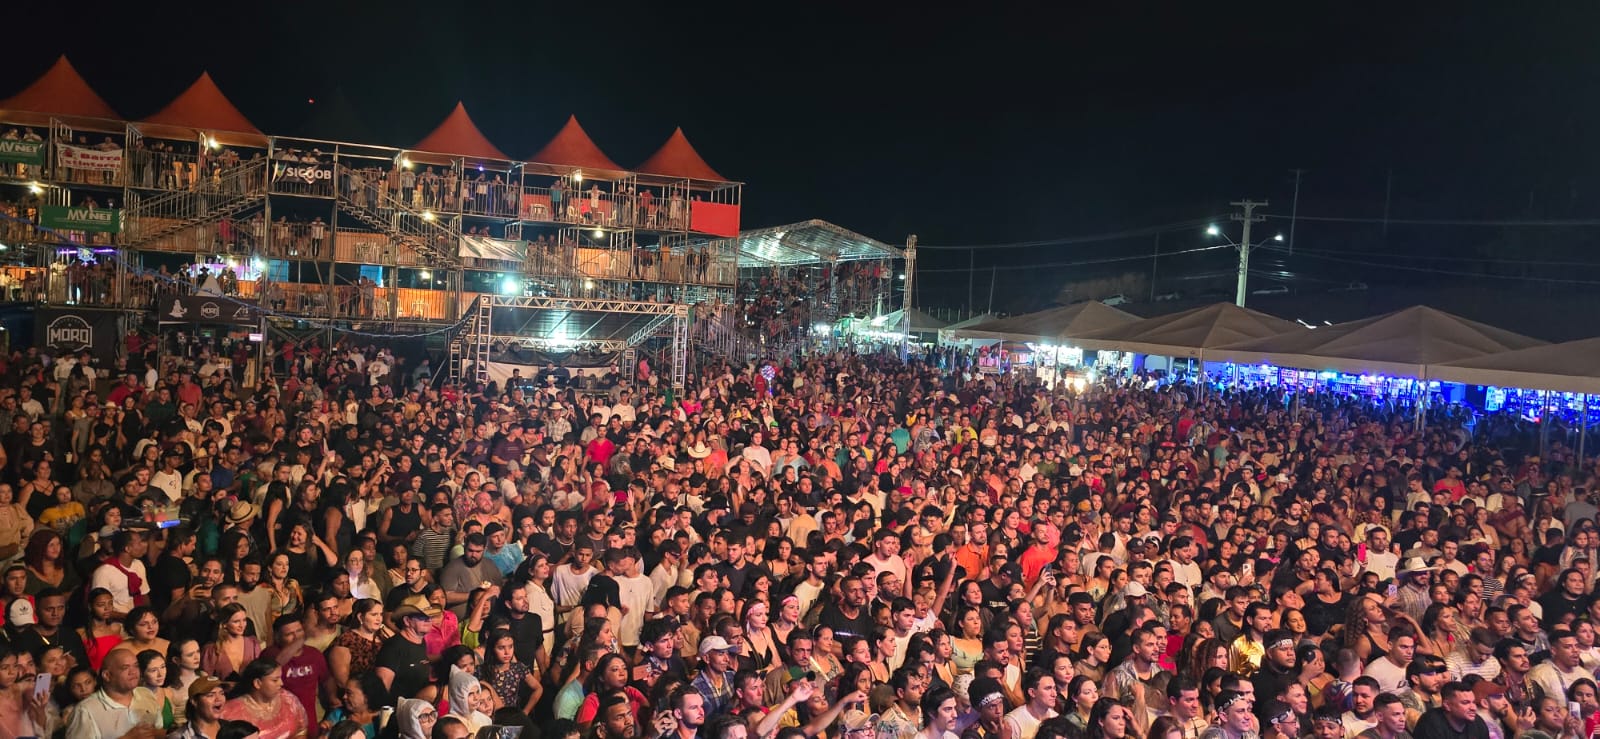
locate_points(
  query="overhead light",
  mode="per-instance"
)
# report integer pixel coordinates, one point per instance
(426, 275)
(405, 162)
(597, 233)
(588, 284)
(577, 176)
(35, 188)
(1212, 230)
(902, 275)
(1279, 237)
(212, 142)
(427, 215)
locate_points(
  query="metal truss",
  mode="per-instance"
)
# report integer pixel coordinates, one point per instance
(497, 343)
(602, 305)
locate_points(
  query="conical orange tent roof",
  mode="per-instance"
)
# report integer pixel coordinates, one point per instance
(459, 136)
(677, 158)
(61, 91)
(203, 107)
(572, 147)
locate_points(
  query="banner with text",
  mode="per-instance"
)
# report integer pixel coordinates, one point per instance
(302, 173)
(207, 309)
(78, 157)
(67, 218)
(69, 331)
(22, 152)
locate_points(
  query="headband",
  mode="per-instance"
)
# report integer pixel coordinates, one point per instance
(1223, 705)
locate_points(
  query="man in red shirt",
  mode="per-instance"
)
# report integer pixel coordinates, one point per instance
(305, 672)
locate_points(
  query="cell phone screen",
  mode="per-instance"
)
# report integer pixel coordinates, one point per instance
(41, 684)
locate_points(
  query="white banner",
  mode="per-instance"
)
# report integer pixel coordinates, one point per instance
(77, 157)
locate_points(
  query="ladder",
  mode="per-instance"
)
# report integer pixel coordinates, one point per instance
(469, 348)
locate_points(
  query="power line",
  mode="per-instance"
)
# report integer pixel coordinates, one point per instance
(1456, 273)
(1078, 263)
(1431, 257)
(1088, 239)
(1546, 222)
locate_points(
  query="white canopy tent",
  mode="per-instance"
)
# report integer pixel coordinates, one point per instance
(1052, 325)
(1192, 333)
(1570, 367)
(1407, 342)
(947, 334)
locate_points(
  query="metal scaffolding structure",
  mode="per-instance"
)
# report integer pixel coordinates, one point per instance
(339, 233)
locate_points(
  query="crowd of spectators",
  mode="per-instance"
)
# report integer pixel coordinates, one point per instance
(826, 546)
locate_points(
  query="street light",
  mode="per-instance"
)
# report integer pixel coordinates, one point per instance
(1212, 230)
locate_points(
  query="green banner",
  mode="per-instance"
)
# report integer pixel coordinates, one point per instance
(22, 152)
(99, 220)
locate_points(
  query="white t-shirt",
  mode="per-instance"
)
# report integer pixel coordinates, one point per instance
(637, 593)
(113, 579)
(1382, 564)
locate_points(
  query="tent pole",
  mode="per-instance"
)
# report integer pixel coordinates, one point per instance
(1544, 426)
(1583, 429)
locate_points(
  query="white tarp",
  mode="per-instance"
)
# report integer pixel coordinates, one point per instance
(480, 247)
(1052, 325)
(1191, 333)
(1570, 367)
(1406, 342)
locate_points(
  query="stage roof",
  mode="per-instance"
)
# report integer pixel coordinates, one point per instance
(808, 242)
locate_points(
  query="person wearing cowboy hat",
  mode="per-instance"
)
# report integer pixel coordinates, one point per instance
(1415, 578)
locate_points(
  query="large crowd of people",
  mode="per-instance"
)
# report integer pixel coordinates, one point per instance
(831, 546)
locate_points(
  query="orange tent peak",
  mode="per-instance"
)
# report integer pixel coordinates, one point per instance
(203, 107)
(572, 147)
(458, 135)
(61, 91)
(677, 158)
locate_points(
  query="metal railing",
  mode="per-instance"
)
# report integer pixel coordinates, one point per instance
(163, 170)
(371, 202)
(166, 214)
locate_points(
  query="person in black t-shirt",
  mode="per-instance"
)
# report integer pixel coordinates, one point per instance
(169, 578)
(512, 613)
(402, 662)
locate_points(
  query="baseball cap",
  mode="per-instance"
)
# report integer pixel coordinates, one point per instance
(202, 685)
(714, 643)
(1135, 590)
(21, 612)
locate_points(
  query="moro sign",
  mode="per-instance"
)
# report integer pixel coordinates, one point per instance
(69, 331)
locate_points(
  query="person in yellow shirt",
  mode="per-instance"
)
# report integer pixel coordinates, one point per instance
(1244, 656)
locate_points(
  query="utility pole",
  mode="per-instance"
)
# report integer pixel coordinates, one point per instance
(993, 273)
(906, 302)
(1247, 217)
(1294, 208)
(1155, 256)
(972, 261)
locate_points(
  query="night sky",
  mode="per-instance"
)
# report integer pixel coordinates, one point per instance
(974, 125)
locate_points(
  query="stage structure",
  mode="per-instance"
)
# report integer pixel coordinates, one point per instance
(852, 276)
(564, 249)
